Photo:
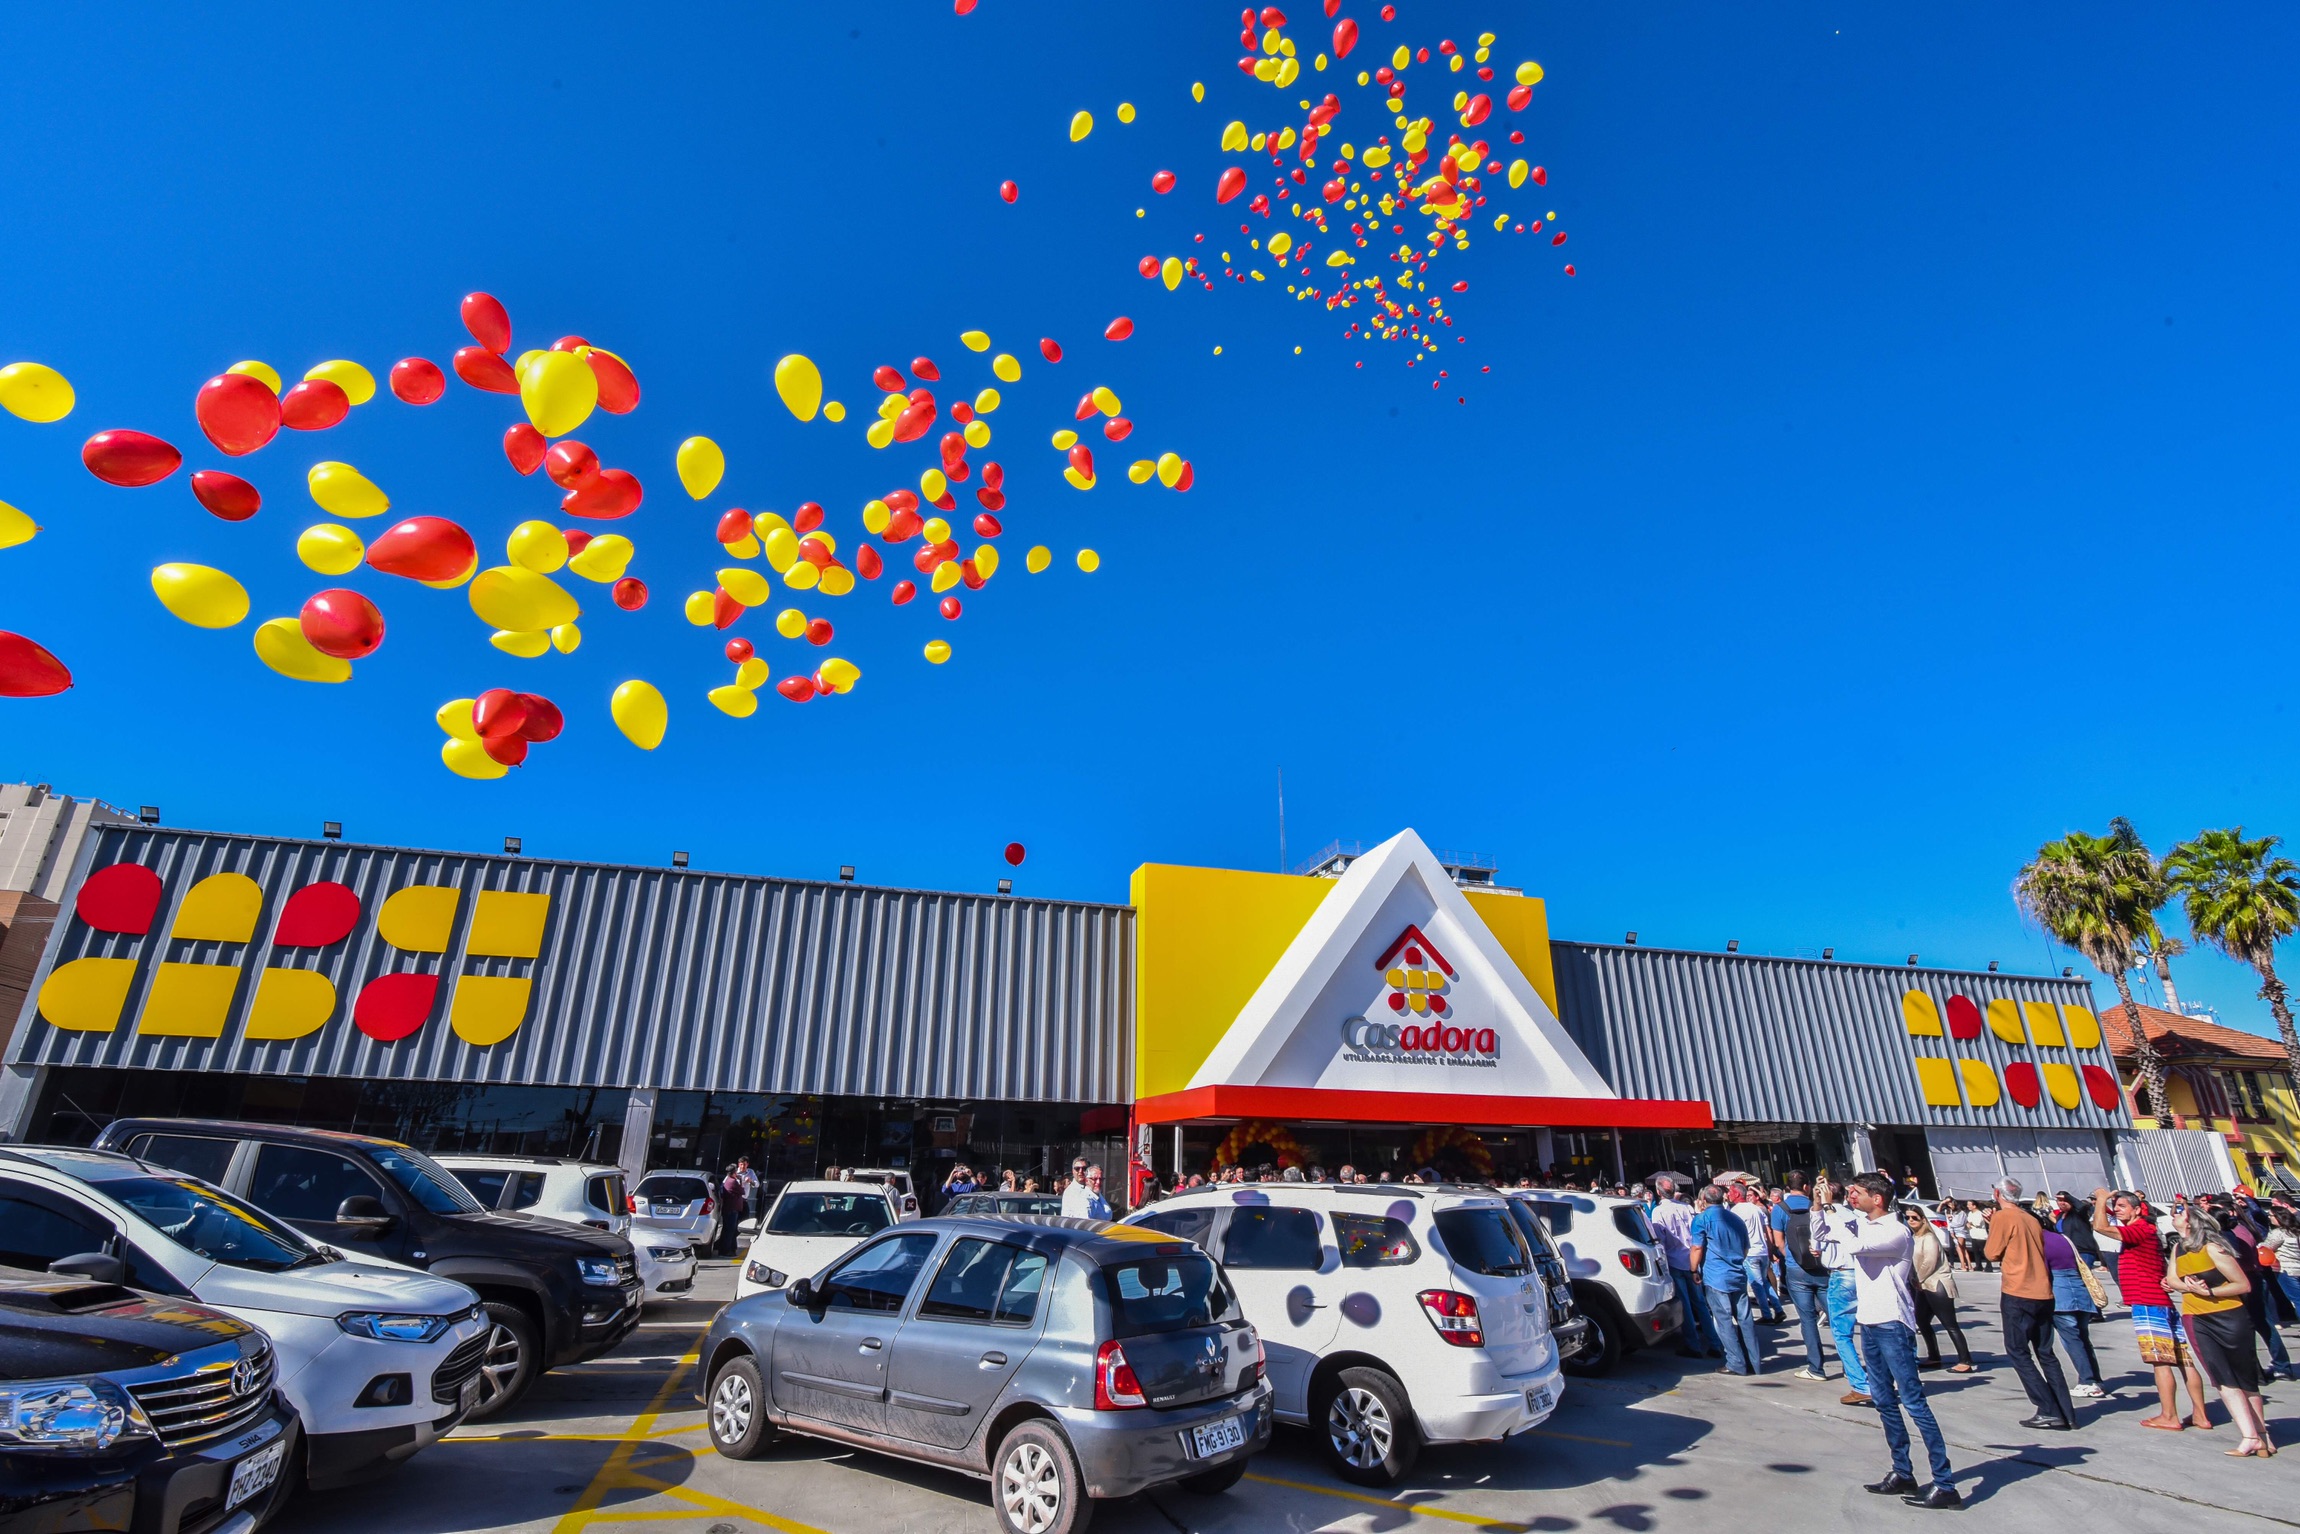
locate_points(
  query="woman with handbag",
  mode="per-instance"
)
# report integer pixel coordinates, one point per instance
(1953, 1210)
(1935, 1292)
(2074, 1309)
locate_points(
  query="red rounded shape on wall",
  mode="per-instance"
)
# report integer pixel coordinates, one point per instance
(394, 1006)
(1437, 1005)
(2022, 1084)
(1397, 1001)
(317, 915)
(1964, 1018)
(122, 898)
(2101, 1087)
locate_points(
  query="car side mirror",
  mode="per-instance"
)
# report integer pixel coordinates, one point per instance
(99, 1267)
(365, 1213)
(801, 1293)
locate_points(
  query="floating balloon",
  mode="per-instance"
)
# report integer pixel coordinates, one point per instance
(1038, 559)
(640, 713)
(341, 623)
(201, 595)
(469, 759)
(1231, 183)
(629, 593)
(746, 586)
(1050, 349)
(738, 701)
(1089, 561)
(129, 459)
(937, 651)
(15, 527)
(418, 381)
(570, 465)
(615, 493)
(280, 644)
(603, 559)
(796, 688)
(483, 369)
(524, 447)
(1345, 37)
(33, 391)
(559, 392)
(702, 465)
(527, 646)
(800, 385)
(421, 549)
(1118, 329)
(314, 405)
(1081, 124)
(618, 385)
(342, 491)
(521, 601)
(567, 638)
(1014, 854)
(974, 340)
(27, 669)
(263, 372)
(357, 383)
(329, 549)
(237, 412)
(1008, 191)
(490, 325)
(537, 546)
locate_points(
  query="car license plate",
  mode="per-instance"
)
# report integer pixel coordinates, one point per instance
(1537, 1400)
(255, 1474)
(1214, 1437)
(467, 1396)
(670, 1208)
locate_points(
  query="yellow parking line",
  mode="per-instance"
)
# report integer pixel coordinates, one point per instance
(613, 1473)
(1610, 1443)
(1414, 1508)
(711, 1503)
(663, 1432)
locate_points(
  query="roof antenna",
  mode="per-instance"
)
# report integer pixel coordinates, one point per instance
(1281, 820)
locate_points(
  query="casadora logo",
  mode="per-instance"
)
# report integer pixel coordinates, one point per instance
(1367, 1036)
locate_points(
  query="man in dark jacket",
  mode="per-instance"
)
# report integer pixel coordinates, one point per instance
(2072, 1217)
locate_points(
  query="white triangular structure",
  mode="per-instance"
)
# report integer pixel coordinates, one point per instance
(1323, 1017)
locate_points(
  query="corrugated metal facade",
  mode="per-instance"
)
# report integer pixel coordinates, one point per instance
(1795, 1040)
(652, 977)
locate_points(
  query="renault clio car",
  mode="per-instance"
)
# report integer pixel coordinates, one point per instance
(378, 1361)
(1063, 1361)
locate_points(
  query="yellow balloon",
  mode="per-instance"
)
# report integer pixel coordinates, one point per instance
(782, 547)
(977, 434)
(15, 527)
(837, 581)
(1517, 171)
(33, 391)
(1280, 243)
(974, 340)
(937, 651)
(741, 702)
(604, 558)
(790, 623)
(1234, 137)
(1081, 124)
(201, 595)
(525, 646)
(262, 372)
(936, 530)
(1089, 561)
(879, 433)
(1005, 369)
(1077, 480)
(933, 485)
(1400, 59)
(329, 549)
(875, 517)
(1169, 469)
(566, 638)
(470, 569)
(823, 537)
(280, 645)
(986, 561)
(357, 383)
(1140, 471)
(745, 547)
(640, 713)
(841, 674)
(748, 587)
(701, 466)
(537, 546)
(342, 491)
(986, 402)
(1038, 559)
(469, 759)
(802, 577)
(701, 607)
(1065, 440)
(559, 390)
(946, 575)
(1529, 73)
(752, 673)
(765, 523)
(1170, 272)
(454, 716)
(1125, 111)
(507, 597)
(1105, 401)
(800, 383)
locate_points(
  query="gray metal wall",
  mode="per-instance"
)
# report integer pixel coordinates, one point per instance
(655, 977)
(1794, 1040)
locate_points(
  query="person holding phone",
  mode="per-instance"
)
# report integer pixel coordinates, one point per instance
(1880, 1248)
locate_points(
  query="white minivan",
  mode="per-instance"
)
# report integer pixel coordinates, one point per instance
(1393, 1315)
(378, 1359)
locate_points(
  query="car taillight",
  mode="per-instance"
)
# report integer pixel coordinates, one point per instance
(1261, 1358)
(1115, 1387)
(708, 1206)
(1454, 1314)
(1634, 1261)
(630, 1203)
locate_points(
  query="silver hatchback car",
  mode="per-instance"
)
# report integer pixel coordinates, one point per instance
(1062, 1360)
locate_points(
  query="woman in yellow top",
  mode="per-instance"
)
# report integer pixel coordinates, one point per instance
(2212, 1285)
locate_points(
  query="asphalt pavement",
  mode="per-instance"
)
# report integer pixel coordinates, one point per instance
(1661, 1445)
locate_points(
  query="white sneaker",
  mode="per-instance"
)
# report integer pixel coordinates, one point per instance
(2089, 1392)
(1809, 1374)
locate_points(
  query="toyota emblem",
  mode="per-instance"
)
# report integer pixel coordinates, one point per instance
(244, 1377)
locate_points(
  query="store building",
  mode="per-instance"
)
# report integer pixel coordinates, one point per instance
(1387, 1011)
(2234, 1085)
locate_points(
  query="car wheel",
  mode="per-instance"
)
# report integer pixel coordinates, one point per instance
(1035, 1486)
(1214, 1482)
(1366, 1427)
(508, 1366)
(738, 1411)
(1599, 1351)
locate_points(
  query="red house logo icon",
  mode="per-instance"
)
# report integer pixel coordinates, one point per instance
(1417, 974)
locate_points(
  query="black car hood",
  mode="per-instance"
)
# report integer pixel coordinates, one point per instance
(532, 1233)
(53, 1325)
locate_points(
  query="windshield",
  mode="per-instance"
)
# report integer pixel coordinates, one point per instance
(829, 1214)
(682, 1190)
(424, 1180)
(1484, 1241)
(208, 1221)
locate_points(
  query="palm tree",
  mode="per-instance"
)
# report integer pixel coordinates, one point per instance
(2242, 899)
(2099, 895)
(2161, 952)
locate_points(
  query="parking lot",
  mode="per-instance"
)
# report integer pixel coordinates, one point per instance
(619, 1444)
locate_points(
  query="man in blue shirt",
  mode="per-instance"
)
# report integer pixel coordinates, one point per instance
(1720, 1245)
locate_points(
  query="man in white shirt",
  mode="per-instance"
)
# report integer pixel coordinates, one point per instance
(1879, 1247)
(1748, 1205)
(1083, 1199)
(1830, 1222)
(1672, 1222)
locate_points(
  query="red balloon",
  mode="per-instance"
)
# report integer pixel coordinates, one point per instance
(1161, 182)
(912, 424)
(991, 500)
(1187, 478)
(499, 711)
(129, 458)
(951, 607)
(1050, 349)
(817, 553)
(342, 623)
(525, 447)
(1085, 408)
(1118, 329)
(570, 464)
(577, 540)
(544, 721)
(1006, 189)
(819, 631)
(796, 688)
(27, 670)
(1147, 266)
(887, 379)
(740, 650)
(1082, 459)
(1015, 854)
(1520, 96)
(974, 578)
(618, 385)
(1345, 37)
(986, 525)
(630, 593)
(1540, 176)
(993, 476)
(487, 320)
(418, 381)
(616, 493)
(726, 612)
(1232, 183)
(807, 518)
(314, 405)
(239, 413)
(226, 495)
(482, 369)
(903, 592)
(1117, 428)
(867, 563)
(734, 526)
(510, 750)
(1479, 109)
(423, 549)
(568, 343)
(923, 367)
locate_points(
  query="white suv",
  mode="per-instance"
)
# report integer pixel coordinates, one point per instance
(1393, 1315)
(810, 1225)
(378, 1359)
(1620, 1277)
(579, 1193)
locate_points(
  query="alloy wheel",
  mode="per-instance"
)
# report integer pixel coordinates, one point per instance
(1360, 1427)
(499, 1365)
(731, 1408)
(1030, 1487)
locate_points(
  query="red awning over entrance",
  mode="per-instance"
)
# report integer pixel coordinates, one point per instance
(1298, 1104)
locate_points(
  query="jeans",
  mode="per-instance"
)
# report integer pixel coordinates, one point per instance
(2075, 1328)
(1841, 1323)
(2028, 1338)
(2289, 1285)
(1729, 1309)
(2263, 1309)
(1892, 1355)
(1762, 1298)
(1807, 1292)
(1699, 1336)
(1933, 1307)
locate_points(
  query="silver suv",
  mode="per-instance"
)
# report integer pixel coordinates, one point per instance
(1062, 1360)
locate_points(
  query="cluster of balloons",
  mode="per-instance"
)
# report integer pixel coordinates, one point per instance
(489, 735)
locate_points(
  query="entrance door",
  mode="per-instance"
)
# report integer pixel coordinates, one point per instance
(1274, 1256)
(830, 1362)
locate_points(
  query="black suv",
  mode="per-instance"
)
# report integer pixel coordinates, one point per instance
(557, 1293)
(125, 1411)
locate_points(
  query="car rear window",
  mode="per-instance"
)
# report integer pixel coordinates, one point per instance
(1631, 1222)
(674, 1190)
(1375, 1241)
(1272, 1238)
(1190, 1224)
(829, 1214)
(1558, 1217)
(1171, 1293)
(605, 1193)
(1484, 1241)
(194, 1155)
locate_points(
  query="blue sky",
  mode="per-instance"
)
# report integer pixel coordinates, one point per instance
(1886, 495)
